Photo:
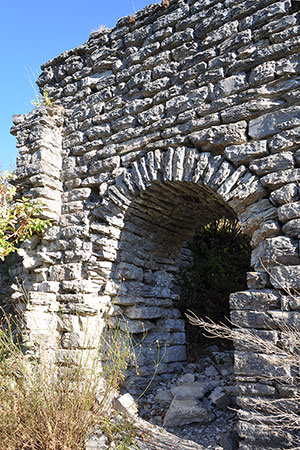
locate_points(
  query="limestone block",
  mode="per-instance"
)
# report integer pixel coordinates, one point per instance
(285, 140)
(292, 228)
(220, 136)
(42, 326)
(278, 250)
(126, 404)
(277, 179)
(201, 166)
(76, 194)
(185, 411)
(211, 169)
(42, 298)
(286, 194)
(267, 14)
(256, 214)
(268, 229)
(163, 397)
(130, 271)
(255, 364)
(47, 286)
(250, 109)
(131, 326)
(153, 114)
(244, 153)
(289, 211)
(62, 272)
(174, 353)
(231, 182)
(285, 277)
(223, 173)
(255, 389)
(247, 195)
(263, 73)
(173, 325)
(195, 390)
(190, 161)
(272, 163)
(255, 300)
(290, 302)
(230, 85)
(178, 164)
(143, 312)
(274, 122)
(219, 398)
(171, 18)
(96, 441)
(218, 35)
(177, 38)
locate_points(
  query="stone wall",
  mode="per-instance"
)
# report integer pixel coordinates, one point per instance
(183, 113)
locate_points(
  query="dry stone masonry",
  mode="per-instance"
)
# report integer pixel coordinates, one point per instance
(178, 116)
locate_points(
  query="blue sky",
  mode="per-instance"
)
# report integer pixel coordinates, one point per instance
(31, 33)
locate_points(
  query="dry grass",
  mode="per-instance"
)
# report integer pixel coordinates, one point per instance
(43, 407)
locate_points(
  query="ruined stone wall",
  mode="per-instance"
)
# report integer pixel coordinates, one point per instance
(178, 116)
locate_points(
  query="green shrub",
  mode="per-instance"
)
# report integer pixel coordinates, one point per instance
(18, 217)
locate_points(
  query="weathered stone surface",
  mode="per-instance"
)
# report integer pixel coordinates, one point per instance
(292, 228)
(272, 163)
(267, 229)
(230, 85)
(273, 123)
(184, 411)
(244, 153)
(277, 179)
(278, 250)
(126, 404)
(285, 140)
(196, 390)
(256, 214)
(285, 277)
(259, 365)
(289, 211)
(255, 300)
(286, 194)
(220, 136)
(220, 398)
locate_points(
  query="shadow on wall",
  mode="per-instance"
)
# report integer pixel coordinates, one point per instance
(217, 259)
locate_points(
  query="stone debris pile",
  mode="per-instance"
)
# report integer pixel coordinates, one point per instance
(198, 403)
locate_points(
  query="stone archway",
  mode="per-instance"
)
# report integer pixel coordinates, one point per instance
(162, 200)
(152, 209)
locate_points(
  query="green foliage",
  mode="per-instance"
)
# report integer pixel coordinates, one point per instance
(17, 217)
(42, 100)
(221, 258)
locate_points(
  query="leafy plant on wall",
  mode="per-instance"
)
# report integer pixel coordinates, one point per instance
(18, 217)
